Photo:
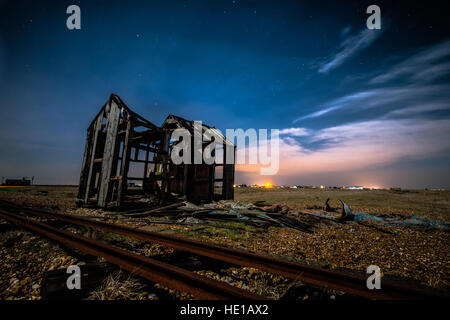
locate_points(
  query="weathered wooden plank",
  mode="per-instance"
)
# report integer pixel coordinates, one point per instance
(185, 178)
(125, 165)
(84, 167)
(108, 154)
(146, 162)
(115, 163)
(97, 129)
(228, 173)
(165, 186)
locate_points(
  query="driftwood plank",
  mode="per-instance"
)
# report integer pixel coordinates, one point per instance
(156, 210)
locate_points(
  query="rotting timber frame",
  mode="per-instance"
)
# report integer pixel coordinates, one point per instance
(199, 181)
(119, 137)
(115, 132)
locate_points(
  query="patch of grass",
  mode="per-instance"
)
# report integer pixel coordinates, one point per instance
(118, 286)
(114, 237)
(213, 231)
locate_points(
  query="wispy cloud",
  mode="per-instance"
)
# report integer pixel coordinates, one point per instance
(339, 103)
(386, 124)
(361, 145)
(385, 99)
(421, 108)
(348, 48)
(426, 66)
(297, 132)
(417, 92)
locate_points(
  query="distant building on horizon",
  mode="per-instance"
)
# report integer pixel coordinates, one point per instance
(17, 181)
(354, 188)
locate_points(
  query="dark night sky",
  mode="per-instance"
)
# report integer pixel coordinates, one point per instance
(355, 106)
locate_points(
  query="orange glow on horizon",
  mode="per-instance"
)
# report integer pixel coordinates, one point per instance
(267, 185)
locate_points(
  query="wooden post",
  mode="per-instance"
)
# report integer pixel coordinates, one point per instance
(165, 161)
(185, 178)
(125, 163)
(146, 162)
(212, 176)
(228, 173)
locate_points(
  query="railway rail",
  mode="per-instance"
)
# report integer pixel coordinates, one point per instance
(171, 276)
(332, 279)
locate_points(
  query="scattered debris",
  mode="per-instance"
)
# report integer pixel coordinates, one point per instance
(227, 210)
(149, 212)
(347, 214)
(189, 220)
(413, 221)
(327, 207)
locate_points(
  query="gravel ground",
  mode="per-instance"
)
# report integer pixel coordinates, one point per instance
(415, 253)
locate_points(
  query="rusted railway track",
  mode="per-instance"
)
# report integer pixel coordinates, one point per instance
(347, 282)
(153, 270)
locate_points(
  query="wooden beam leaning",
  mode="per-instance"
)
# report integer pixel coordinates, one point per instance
(84, 166)
(108, 155)
(97, 129)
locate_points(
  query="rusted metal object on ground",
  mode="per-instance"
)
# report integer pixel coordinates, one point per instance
(119, 141)
(344, 281)
(153, 270)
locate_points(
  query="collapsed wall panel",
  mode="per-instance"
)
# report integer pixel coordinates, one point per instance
(110, 154)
